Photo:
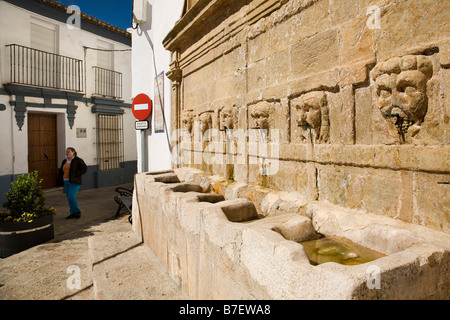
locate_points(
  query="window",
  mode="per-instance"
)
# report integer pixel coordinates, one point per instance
(43, 36)
(108, 83)
(110, 146)
(105, 55)
(41, 64)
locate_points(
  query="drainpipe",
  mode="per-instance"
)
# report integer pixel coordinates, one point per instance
(13, 153)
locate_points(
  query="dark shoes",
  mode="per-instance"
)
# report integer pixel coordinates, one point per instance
(74, 216)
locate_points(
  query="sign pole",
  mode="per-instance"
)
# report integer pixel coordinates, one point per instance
(142, 110)
(144, 158)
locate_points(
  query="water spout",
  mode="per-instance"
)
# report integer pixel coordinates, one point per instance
(401, 125)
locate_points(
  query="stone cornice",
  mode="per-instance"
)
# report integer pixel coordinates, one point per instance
(209, 15)
(198, 10)
(207, 12)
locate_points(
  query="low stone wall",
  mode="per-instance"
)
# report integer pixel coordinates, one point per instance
(187, 226)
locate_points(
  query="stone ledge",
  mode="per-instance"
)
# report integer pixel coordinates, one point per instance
(433, 159)
(430, 159)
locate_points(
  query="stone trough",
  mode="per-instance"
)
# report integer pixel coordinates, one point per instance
(225, 246)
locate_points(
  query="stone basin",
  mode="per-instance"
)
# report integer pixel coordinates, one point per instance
(407, 261)
(239, 210)
(210, 197)
(339, 250)
(186, 187)
(167, 178)
(201, 241)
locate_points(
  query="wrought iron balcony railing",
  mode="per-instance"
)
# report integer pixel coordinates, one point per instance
(38, 68)
(108, 83)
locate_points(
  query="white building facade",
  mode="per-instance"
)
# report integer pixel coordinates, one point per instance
(62, 87)
(150, 64)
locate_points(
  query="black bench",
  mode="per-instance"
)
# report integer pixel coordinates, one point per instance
(124, 200)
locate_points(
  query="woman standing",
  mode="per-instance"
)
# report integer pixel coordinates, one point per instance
(72, 168)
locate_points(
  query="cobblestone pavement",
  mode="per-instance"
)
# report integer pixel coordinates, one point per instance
(94, 257)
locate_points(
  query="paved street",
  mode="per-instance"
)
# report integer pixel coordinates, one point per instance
(94, 257)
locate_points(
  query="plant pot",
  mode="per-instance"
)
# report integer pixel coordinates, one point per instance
(18, 236)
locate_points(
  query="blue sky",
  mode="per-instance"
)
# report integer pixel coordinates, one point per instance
(115, 12)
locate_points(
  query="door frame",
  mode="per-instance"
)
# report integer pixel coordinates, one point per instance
(60, 132)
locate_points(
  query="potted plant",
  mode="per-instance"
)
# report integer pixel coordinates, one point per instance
(28, 221)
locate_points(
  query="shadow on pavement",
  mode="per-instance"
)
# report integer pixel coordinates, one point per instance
(97, 206)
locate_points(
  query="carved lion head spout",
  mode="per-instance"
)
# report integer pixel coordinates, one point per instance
(188, 120)
(401, 90)
(260, 114)
(205, 121)
(313, 114)
(227, 118)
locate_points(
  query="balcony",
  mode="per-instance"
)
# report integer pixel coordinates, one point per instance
(108, 83)
(38, 68)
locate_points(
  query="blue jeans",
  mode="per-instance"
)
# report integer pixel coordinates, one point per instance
(71, 190)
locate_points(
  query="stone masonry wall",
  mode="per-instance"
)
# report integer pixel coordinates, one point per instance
(357, 89)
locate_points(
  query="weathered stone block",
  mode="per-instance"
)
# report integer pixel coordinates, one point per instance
(327, 80)
(363, 115)
(355, 74)
(313, 18)
(377, 191)
(446, 102)
(431, 194)
(256, 78)
(257, 47)
(333, 184)
(357, 40)
(409, 25)
(444, 54)
(315, 54)
(277, 67)
(342, 116)
(342, 11)
(294, 176)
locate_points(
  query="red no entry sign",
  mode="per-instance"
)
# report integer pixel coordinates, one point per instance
(142, 107)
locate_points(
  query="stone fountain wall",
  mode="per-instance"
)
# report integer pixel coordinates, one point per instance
(228, 240)
(359, 91)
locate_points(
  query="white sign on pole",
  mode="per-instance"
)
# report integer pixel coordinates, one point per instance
(141, 125)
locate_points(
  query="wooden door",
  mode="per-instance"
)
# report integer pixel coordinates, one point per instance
(42, 147)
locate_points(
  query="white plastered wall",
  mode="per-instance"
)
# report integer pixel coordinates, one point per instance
(150, 59)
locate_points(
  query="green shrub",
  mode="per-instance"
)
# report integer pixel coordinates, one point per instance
(25, 199)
